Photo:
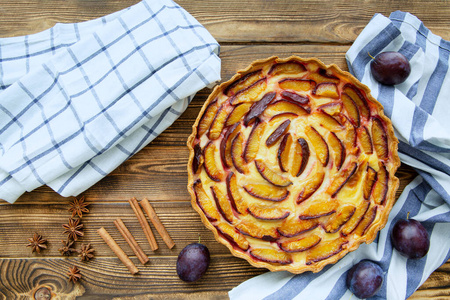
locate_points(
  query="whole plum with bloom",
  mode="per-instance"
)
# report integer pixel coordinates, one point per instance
(390, 68)
(365, 279)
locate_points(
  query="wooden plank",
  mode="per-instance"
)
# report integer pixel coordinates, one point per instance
(107, 276)
(19, 222)
(337, 21)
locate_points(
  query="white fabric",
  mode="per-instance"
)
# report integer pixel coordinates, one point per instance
(79, 99)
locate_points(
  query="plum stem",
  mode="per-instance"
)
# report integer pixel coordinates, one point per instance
(371, 56)
(199, 238)
(407, 216)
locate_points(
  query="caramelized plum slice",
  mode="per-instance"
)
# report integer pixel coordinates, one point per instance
(379, 138)
(271, 256)
(327, 121)
(257, 231)
(277, 133)
(283, 152)
(301, 150)
(352, 110)
(243, 82)
(341, 179)
(341, 217)
(211, 167)
(218, 123)
(232, 235)
(197, 161)
(319, 209)
(324, 250)
(300, 245)
(326, 89)
(237, 153)
(225, 144)
(258, 108)
(338, 150)
(290, 67)
(270, 175)
(366, 221)
(250, 93)
(358, 98)
(319, 144)
(283, 106)
(365, 140)
(300, 85)
(204, 202)
(350, 137)
(355, 219)
(237, 202)
(222, 203)
(266, 192)
(294, 227)
(238, 112)
(380, 187)
(369, 181)
(322, 76)
(207, 118)
(294, 97)
(332, 108)
(254, 139)
(269, 213)
(311, 184)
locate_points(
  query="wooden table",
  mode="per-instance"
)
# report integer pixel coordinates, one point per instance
(246, 30)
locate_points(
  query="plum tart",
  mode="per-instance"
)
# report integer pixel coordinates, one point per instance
(292, 164)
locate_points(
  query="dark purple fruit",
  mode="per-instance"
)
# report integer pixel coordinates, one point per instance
(192, 262)
(258, 107)
(365, 279)
(390, 68)
(410, 238)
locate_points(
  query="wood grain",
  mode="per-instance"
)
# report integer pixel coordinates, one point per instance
(247, 31)
(337, 21)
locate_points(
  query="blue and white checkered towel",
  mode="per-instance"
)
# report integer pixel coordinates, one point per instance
(419, 109)
(79, 99)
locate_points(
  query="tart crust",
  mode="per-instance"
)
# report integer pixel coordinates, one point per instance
(281, 247)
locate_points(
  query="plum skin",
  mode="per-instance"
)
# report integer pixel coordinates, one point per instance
(365, 279)
(410, 238)
(192, 262)
(390, 68)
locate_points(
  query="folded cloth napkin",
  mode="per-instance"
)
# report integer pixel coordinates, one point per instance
(79, 99)
(419, 110)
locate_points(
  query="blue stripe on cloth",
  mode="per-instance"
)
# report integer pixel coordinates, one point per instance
(27, 54)
(168, 37)
(17, 116)
(423, 157)
(125, 58)
(146, 113)
(373, 47)
(116, 40)
(435, 82)
(49, 129)
(436, 186)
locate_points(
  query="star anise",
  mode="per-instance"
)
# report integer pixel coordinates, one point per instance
(74, 229)
(78, 207)
(37, 243)
(67, 249)
(74, 274)
(86, 252)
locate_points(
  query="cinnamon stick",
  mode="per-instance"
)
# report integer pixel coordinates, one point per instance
(129, 238)
(157, 223)
(144, 224)
(117, 250)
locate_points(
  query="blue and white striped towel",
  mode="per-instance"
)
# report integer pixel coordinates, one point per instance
(419, 109)
(79, 99)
